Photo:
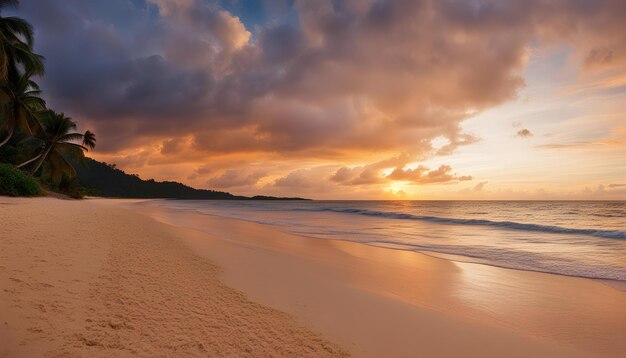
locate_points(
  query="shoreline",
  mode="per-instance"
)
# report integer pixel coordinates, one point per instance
(615, 278)
(616, 284)
(129, 282)
(602, 310)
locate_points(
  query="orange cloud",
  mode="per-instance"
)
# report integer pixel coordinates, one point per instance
(422, 175)
(233, 178)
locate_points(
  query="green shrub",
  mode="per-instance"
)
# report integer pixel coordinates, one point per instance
(13, 182)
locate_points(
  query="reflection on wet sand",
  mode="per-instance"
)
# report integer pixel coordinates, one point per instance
(548, 307)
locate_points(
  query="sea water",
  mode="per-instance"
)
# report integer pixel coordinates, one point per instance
(577, 238)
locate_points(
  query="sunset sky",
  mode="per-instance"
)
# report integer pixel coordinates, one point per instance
(354, 99)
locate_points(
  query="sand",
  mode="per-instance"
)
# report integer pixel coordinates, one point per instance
(90, 278)
(383, 302)
(84, 280)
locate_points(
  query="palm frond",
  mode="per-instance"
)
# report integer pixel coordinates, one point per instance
(71, 149)
(19, 27)
(21, 53)
(33, 93)
(35, 103)
(58, 142)
(32, 84)
(18, 103)
(70, 137)
(55, 124)
(89, 139)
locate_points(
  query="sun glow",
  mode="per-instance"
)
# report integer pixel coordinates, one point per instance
(397, 189)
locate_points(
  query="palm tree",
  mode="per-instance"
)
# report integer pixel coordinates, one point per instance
(57, 143)
(16, 45)
(18, 91)
(89, 139)
(19, 101)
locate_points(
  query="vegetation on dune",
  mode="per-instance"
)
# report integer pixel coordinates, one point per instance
(33, 137)
(14, 182)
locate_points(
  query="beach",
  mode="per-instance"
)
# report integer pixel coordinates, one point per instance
(107, 278)
(84, 280)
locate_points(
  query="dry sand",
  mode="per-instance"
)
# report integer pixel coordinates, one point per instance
(83, 280)
(89, 278)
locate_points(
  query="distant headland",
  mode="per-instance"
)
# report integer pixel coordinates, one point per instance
(103, 179)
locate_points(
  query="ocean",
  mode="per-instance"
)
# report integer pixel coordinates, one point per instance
(576, 238)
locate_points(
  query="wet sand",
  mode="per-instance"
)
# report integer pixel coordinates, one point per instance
(379, 301)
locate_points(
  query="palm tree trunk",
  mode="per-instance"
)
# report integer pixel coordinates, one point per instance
(29, 161)
(9, 135)
(41, 159)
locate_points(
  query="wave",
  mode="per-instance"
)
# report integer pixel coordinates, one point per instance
(581, 256)
(611, 234)
(512, 259)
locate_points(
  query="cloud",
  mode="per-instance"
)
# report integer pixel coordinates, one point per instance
(306, 179)
(360, 175)
(192, 68)
(342, 85)
(370, 173)
(173, 146)
(194, 63)
(422, 175)
(212, 24)
(234, 178)
(608, 142)
(345, 174)
(524, 133)
(480, 186)
(373, 173)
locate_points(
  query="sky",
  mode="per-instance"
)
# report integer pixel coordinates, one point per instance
(353, 99)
